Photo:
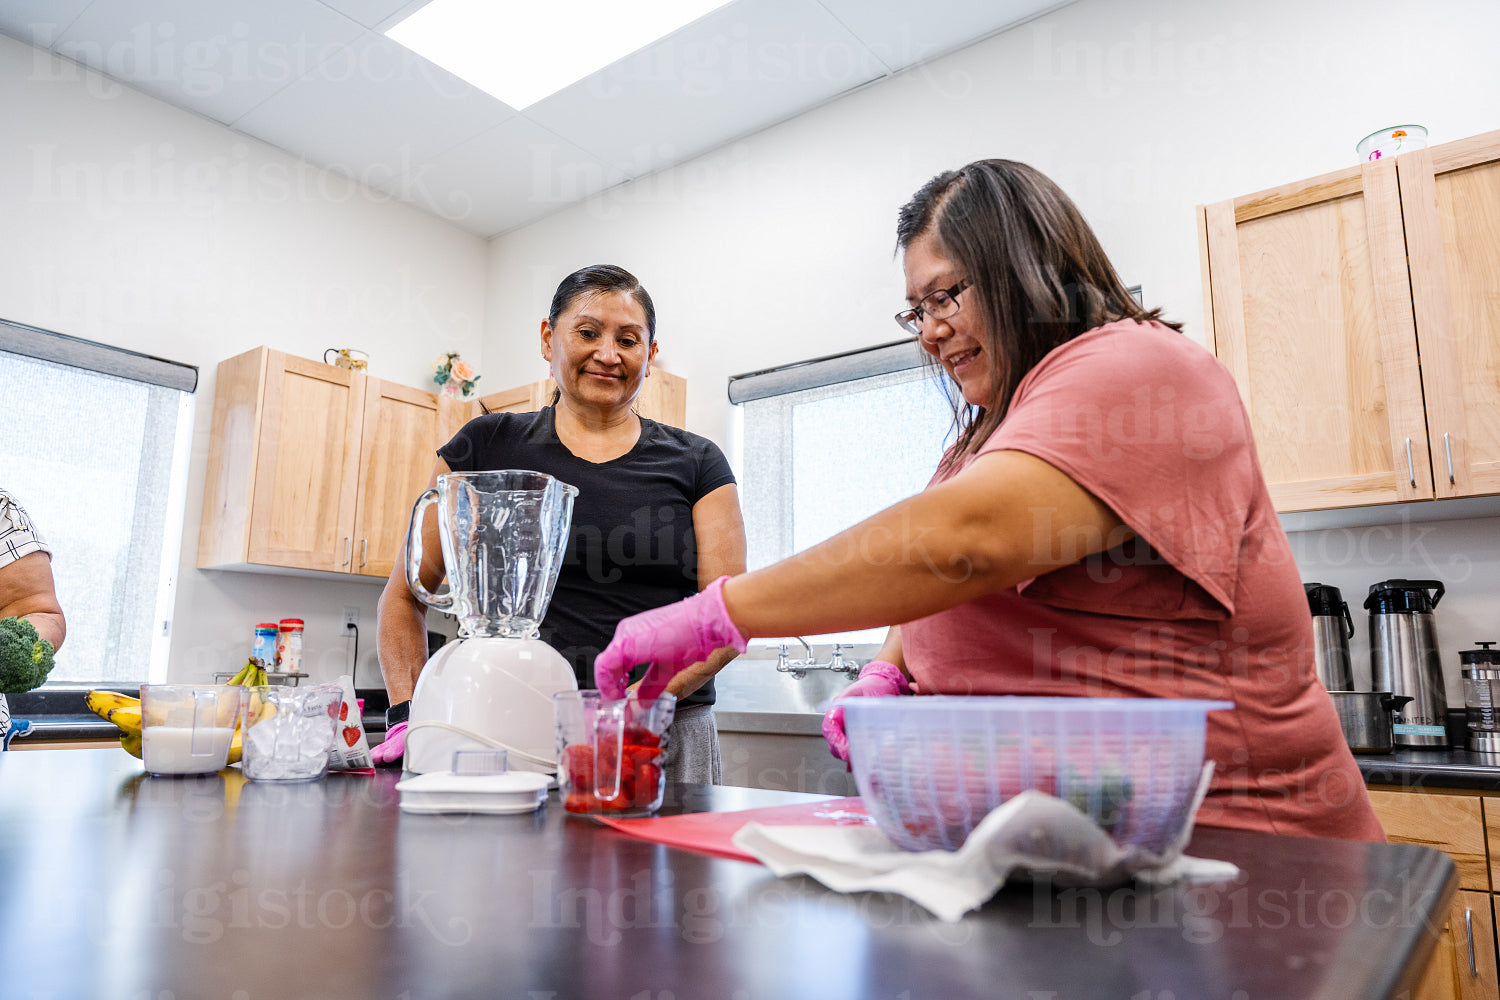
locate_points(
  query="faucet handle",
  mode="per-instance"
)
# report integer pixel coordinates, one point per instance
(842, 665)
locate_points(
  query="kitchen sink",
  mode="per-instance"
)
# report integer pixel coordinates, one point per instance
(753, 684)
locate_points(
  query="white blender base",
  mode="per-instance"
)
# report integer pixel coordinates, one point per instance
(499, 693)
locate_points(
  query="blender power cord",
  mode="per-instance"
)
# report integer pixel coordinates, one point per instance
(493, 744)
(354, 669)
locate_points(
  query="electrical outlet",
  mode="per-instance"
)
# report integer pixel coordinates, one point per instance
(351, 616)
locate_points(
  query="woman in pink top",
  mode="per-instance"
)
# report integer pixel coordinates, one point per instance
(1100, 527)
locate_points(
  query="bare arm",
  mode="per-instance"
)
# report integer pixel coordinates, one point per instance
(27, 591)
(891, 652)
(402, 623)
(720, 530)
(1006, 518)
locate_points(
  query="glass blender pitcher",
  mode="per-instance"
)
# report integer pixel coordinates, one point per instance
(503, 535)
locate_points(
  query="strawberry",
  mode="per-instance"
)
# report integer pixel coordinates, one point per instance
(351, 735)
(344, 711)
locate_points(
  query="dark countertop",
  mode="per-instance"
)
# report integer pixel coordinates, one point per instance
(1417, 769)
(216, 887)
(59, 713)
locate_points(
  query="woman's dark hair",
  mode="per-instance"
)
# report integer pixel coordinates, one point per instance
(1040, 277)
(603, 278)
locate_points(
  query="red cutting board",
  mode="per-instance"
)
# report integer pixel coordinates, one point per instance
(713, 832)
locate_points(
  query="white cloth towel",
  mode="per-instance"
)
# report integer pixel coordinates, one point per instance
(1031, 832)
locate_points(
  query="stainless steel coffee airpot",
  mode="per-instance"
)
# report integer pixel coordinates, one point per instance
(1404, 658)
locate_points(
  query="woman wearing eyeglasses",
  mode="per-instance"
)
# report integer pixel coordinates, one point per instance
(1100, 527)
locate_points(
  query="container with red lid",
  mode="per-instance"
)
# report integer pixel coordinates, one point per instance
(289, 646)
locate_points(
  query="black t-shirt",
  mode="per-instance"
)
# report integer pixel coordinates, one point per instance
(631, 546)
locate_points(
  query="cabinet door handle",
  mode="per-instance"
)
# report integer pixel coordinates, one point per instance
(348, 550)
(1411, 470)
(1448, 450)
(1469, 930)
(364, 551)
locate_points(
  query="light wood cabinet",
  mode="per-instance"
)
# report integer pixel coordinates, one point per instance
(663, 398)
(1356, 312)
(1462, 966)
(314, 467)
(1466, 826)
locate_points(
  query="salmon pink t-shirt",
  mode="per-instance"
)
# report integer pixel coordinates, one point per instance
(1206, 602)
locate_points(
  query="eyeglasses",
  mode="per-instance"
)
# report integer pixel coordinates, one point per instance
(939, 305)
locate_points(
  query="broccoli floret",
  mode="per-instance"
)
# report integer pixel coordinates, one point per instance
(25, 657)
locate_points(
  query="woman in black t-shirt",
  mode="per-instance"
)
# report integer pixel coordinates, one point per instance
(656, 519)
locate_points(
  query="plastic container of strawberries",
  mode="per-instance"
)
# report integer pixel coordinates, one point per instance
(929, 768)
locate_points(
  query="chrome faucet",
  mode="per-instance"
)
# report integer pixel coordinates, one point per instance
(838, 662)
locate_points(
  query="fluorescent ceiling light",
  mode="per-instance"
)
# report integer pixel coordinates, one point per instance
(524, 50)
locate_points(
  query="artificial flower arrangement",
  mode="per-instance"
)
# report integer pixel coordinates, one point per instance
(455, 375)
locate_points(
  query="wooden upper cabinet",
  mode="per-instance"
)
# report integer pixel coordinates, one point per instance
(1358, 315)
(403, 428)
(302, 514)
(1311, 312)
(1450, 200)
(663, 398)
(521, 399)
(314, 467)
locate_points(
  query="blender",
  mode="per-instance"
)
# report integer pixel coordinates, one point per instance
(503, 535)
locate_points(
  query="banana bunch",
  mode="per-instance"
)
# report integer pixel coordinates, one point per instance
(124, 711)
(252, 674)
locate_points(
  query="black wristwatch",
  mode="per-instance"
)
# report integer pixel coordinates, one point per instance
(397, 714)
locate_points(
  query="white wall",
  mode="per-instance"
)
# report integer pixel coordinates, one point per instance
(779, 248)
(130, 222)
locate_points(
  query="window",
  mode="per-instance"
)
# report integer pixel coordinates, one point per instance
(95, 444)
(825, 444)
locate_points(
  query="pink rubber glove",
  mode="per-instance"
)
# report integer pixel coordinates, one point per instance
(669, 638)
(877, 679)
(391, 751)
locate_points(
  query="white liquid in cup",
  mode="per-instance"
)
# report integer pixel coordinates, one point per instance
(169, 749)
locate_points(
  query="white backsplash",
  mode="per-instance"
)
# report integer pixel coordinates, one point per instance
(1463, 554)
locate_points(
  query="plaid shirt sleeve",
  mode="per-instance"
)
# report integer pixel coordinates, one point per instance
(18, 536)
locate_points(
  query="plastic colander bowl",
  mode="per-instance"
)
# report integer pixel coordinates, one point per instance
(930, 768)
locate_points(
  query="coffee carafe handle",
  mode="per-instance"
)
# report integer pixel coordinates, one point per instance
(1348, 621)
(1436, 585)
(414, 555)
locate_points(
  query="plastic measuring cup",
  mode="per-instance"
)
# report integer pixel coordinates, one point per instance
(289, 731)
(187, 728)
(609, 752)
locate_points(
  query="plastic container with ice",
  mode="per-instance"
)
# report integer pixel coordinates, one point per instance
(289, 732)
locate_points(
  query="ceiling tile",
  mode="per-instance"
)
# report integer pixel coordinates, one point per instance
(219, 59)
(375, 109)
(511, 175)
(737, 70)
(39, 22)
(369, 13)
(902, 33)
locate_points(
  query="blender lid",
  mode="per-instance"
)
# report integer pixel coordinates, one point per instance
(445, 792)
(1482, 657)
(1403, 596)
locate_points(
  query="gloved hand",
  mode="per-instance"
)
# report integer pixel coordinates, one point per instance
(877, 679)
(669, 638)
(391, 751)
